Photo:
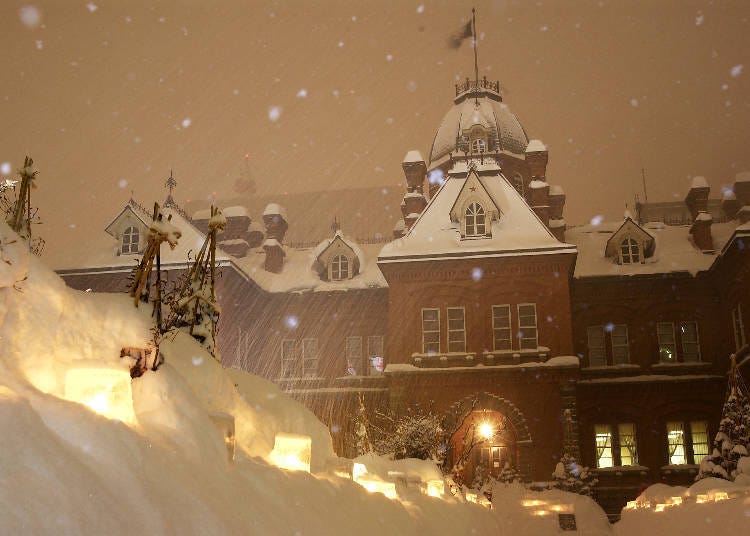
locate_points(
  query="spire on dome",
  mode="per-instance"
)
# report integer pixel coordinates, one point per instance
(171, 184)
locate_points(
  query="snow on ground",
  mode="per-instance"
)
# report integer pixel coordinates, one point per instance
(710, 506)
(66, 469)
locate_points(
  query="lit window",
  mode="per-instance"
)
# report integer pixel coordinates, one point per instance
(431, 331)
(130, 240)
(456, 329)
(630, 253)
(340, 268)
(527, 334)
(691, 350)
(309, 357)
(478, 146)
(739, 327)
(354, 356)
(667, 346)
(615, 445)
(475, 220)
(501, 327)
(375, 354)
(687, 448)
(288, 358)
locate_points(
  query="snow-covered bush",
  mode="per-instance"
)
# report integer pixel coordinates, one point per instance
(570, 476)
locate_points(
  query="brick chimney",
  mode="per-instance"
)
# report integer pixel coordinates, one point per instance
(274, 218)
(743, 214)
(536, 158)
(729, 204)
(697, 197)
(414, 201)
(742, 188)
(540, 199)
(701, 231)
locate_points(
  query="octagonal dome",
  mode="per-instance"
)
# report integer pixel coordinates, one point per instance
(484, 108)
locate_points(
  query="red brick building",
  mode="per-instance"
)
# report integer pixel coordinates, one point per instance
(610, 340)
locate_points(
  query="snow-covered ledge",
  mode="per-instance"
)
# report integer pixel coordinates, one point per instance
(514, 357)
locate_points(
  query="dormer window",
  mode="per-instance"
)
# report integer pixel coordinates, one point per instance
(478, 146)
(630, 251)
(475, 220)
(339, 268)
(130, 239)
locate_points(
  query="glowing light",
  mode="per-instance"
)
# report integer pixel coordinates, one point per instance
(486, 430)
(5, 168)
(720, 496)
(472, 498)
(700, 499)
(532, 502)
(358, 470)
(540, 513)
(378, 486)
(435, 488)
(106, 391)
(292, 452)
(30, 16)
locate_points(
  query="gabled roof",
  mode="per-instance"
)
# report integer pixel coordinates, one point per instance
(127, 212)
(474, 191)
(518, 230)
(338, 240)
(629, 228)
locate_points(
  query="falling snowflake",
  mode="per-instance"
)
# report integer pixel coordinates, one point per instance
(336, 93)
(186, 122)
(436, 176)
(354, 18)
(291, 322)
(341, 44)
(30, 16)
(597, 220)
(5, 168)
(544, 28)
(122, 183)
(609, 328)
(39, 44)
(274, 112)
(476, 273)
(388, 57)
(235, 92)
(699, 19)
(736, 70)
(724, 87)
(389, 121)
(411, 85)
(634, 102)
(302, 93)
(197, 360)
(91, 6)
(420, 8)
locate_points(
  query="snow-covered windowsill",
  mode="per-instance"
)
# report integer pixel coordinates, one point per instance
(681, 365)
(622, 469)
(682, 468)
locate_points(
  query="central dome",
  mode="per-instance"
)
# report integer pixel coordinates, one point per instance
(478, 113)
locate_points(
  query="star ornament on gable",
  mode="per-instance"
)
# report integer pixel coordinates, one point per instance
(7, 184)
(473, 188)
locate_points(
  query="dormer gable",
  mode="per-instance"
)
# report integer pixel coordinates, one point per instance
(338, 260)
(130, 231)
(630, 244)
(474, 209)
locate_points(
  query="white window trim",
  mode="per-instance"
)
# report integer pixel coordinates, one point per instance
(331, 268)
(356, 361)
(462, 330)
(475, 215)
(509, 328)
(130, 244)
(697, 341)
(309, 363)
(738, 327)
(602, 331)
(632, 242)
(288, 362)
(660, 344)
(626, 345)
(371, 371)
(424, 348)
(535, 326)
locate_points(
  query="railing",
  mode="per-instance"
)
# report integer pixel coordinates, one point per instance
(149, 214)
(307, 244)
(476, 85)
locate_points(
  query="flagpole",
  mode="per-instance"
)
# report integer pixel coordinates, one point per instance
(475, 43)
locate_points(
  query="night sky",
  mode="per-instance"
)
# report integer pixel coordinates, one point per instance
(108, 96)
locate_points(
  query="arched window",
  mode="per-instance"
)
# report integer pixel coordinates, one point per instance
(630, 253)
(475, 220)
(130, 240)
(478, 146)
(340, 268)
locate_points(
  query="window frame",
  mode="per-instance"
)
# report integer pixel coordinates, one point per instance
(130, 232)
(355, 362)
(371, 369)
(662, 344)
(461, 330)
(475, 214)
(615, 444)
(338, 269)
(521, 327)
(738, 327)
(679, 341)
(684, 342)
(425, 350)
(630, 251)
(288, 362)
(481, 146)
(496, 328)
(310, 363)
(690, 431)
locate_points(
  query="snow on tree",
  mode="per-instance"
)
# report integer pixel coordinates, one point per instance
(732, 441)
(509, 474)
(569, 475)
(194, 304)
(19, 214)
(362, 443)
(416, 434)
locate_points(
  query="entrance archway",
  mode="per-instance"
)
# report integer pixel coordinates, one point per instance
(488, 431)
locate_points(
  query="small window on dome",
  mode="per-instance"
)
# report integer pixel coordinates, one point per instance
(339, 269)
(475, 220)
(478, 146)
(630, 251)
(130, 240)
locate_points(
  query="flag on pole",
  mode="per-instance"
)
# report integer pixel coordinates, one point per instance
(456, 38)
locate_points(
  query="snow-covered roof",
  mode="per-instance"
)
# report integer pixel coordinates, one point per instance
(535, 146)
(274, 209)
(674, 251)
(699, 182)
(537, 184)
(742, 176)
(486, 111)
(555, 189)
(517, 231)
(413, 156)
(298, 275)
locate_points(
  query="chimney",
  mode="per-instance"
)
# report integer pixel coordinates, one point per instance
(540, 200)
(742, 188)
(701, 231)
(536, 158)
(743, 214)
(729, 204)
(697, 197)
(556, 202)
(414, 201)
(274, 218)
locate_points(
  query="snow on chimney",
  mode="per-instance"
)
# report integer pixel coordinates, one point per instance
(414, 201)
(274, 218)
(697, 197)
(701, 231)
